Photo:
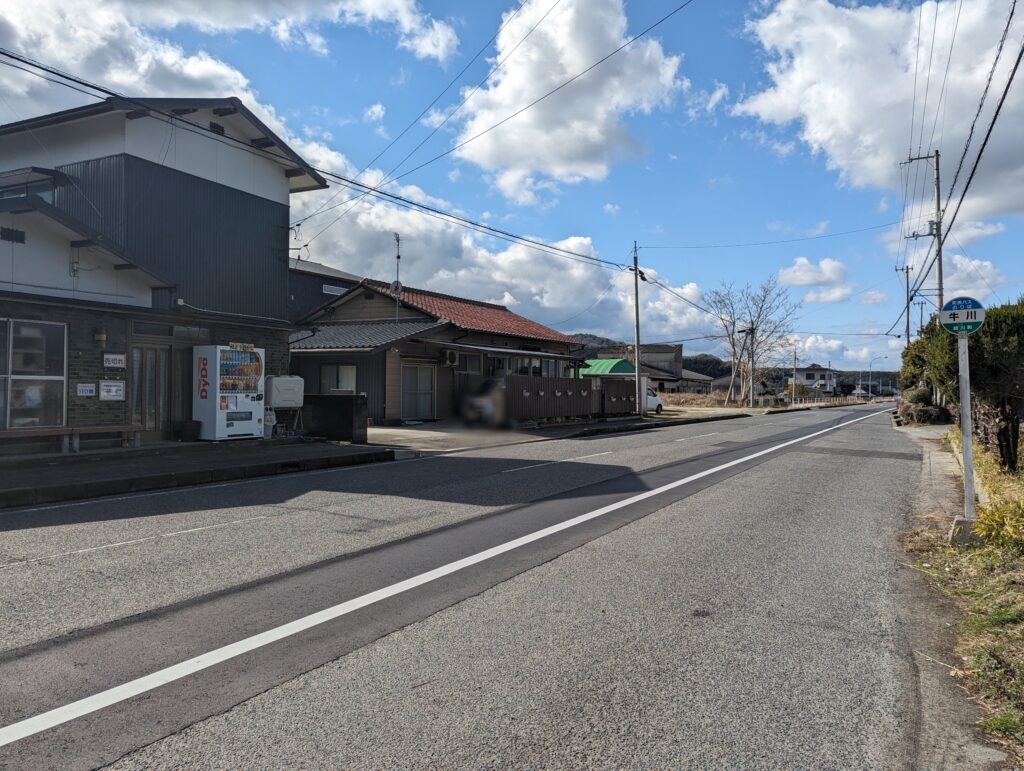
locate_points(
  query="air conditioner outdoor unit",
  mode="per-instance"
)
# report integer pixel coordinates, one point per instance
(450, 358)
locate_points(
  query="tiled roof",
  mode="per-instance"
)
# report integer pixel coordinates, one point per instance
(359, 334)
(472, 314)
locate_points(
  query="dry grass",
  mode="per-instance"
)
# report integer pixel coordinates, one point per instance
(988, 583)
(716, 399)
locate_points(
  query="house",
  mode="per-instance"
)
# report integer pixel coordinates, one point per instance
(679, 381)
(662, 364)
(311, 284)
(416, 354)
(133, 230)
(816, 378)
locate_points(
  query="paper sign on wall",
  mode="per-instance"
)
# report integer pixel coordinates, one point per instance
(115, 361)
(111, 390)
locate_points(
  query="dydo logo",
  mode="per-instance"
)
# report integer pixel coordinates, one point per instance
(202, 366)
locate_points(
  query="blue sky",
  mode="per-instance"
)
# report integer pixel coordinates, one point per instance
(733, 122)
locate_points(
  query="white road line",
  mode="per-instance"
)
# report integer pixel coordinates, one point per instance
(699, 436)
(127, 543)
(117, 694)
(553, 462)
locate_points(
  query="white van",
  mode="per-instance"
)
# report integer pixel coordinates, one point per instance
(654, 401)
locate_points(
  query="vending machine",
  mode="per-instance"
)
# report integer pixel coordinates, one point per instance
(227, 397)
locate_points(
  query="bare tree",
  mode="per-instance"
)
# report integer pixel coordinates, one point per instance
(756, 321)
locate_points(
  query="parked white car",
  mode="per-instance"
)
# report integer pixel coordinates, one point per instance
(654, 402)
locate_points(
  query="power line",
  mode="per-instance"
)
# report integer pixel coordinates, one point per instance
(389, 177)
(981, 102)
(984, 144)
(945, 77)
(553, 91)
(351, 183)
(771, 243)
(425, 110)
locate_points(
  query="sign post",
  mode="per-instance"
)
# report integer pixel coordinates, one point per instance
(961, 316)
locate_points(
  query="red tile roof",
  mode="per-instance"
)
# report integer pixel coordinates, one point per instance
(472, 314)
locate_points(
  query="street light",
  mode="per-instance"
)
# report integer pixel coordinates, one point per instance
(869, 372)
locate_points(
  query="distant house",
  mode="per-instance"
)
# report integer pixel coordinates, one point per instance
(684, 381)
(417, 354)
(816, 378)
(662, 364)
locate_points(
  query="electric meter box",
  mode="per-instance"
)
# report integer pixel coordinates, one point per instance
(285, 392)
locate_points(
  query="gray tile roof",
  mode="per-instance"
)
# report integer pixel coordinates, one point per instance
(360, 334)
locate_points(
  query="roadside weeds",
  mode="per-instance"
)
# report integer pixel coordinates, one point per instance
(986, 582)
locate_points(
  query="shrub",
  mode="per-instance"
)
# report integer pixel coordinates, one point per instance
(922, 413)
(1001, 523)
(918, 396)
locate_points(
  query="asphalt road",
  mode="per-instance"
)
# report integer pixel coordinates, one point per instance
(713, 594)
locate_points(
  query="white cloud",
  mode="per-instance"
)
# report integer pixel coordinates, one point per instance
(883, 203)
(826, 61)
(863, 354)
(454, 175)
(104, 45)
(611, 208)
(803, 272)
(964, 233)
(820, 229)
(721, 92)
(979, 279)
(374, 113)
(573, 135)
(874, 297)
(45, 28)
(832, 294)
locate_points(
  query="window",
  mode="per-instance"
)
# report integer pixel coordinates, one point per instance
(32, 373)
(333, 290)
(810, 376)
(469, 363)
(335, 378)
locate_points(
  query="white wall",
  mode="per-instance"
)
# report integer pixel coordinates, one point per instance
(42, 265)
(52, 146)
(205, 155)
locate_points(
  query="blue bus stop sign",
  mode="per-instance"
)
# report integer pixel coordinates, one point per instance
(962, 315)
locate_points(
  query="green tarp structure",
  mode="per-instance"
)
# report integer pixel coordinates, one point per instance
(607, 367)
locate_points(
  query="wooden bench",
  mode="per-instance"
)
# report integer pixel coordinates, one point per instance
(132, 434)
(66, 435)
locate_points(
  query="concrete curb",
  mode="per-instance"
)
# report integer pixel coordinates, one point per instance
(27, 496)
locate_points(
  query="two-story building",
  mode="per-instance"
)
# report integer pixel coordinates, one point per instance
(816, 378)
(131, 231)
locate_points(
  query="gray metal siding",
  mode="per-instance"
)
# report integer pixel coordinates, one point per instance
(369, 376)
(225, 250)
(306, 292)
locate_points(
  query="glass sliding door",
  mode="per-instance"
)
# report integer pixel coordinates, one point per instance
(417, 392)
(151, 390)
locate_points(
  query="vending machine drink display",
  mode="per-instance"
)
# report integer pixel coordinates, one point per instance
(227, 397)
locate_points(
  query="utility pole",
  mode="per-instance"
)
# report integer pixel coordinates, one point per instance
(920, 313)
(397, 286)
(640, 403)
(905, 270)
(793, 400)
(753, 332)
(934, 226)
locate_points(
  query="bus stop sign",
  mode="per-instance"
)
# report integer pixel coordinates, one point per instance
(962, 316)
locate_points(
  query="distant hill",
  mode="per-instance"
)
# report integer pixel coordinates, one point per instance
(706, 364)
(594, 341)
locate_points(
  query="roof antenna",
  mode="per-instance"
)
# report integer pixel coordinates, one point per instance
(396, 285)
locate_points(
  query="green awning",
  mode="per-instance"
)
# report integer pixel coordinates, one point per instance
(607, 367)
